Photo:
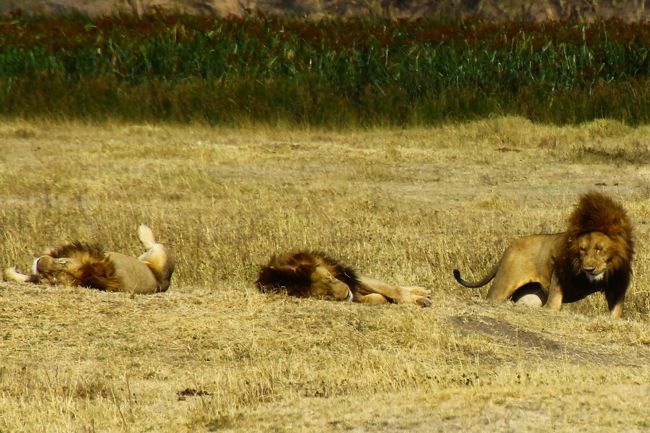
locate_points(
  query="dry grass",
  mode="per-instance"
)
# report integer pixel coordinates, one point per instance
(403, 205)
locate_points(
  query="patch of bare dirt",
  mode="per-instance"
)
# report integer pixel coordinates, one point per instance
(538, 344)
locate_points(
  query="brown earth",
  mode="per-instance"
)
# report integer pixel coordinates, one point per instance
(495, 10)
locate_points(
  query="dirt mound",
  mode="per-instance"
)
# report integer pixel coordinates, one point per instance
(494, 10)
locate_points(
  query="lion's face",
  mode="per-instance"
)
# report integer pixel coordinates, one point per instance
(54, 270)
(324, 284)
(595, 253)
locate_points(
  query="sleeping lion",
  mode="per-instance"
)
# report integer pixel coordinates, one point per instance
(86, 265)
(315, 274)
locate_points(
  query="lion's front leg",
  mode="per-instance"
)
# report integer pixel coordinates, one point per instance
(12, 274)
(555, 295)
(373, 298)
(401, 294)
(323, 283)
(615, 303)
(421, 295)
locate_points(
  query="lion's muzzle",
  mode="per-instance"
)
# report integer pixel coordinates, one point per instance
(594, 276)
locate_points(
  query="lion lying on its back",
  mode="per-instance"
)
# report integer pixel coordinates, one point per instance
(593, 255)
(85, 265)
(314, 274)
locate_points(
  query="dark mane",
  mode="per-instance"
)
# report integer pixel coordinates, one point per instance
(76, 247)
(291, 272)
(99, 275)
(597, 212)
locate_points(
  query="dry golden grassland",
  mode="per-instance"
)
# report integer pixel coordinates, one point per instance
(406, 206)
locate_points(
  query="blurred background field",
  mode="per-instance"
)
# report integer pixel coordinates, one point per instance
(355, 72)
(404, 205)
(447, 10)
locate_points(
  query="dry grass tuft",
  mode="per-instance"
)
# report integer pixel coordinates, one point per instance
(407, 206)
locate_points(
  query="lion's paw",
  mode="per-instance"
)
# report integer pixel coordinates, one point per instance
(420, 291)
(12, 274)
(423, 302)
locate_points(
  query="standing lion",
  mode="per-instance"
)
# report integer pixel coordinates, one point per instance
(594, 255)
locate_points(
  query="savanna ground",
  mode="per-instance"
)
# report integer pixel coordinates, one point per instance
(407, 206)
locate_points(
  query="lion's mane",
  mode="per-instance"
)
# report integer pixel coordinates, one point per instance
(291, 272)
(94, 269)
(597, 212)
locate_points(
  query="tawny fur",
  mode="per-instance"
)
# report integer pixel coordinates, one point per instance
(594, 255)
(597, 213)
(316, 274)
(92, 269)
(87, 265)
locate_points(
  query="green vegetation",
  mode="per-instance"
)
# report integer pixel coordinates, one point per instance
(331, 72)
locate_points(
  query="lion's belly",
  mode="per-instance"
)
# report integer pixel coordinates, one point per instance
(135, 276)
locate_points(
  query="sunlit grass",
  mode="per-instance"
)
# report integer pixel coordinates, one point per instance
(404, 205)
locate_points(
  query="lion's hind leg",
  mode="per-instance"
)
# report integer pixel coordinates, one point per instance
(505, 286)
(145, 234)
(157, 257)
(418, 291)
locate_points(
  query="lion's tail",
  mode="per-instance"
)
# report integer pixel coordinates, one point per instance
(476, 284)
(146, 236)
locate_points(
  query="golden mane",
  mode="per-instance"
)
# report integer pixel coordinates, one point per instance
(94, 269)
